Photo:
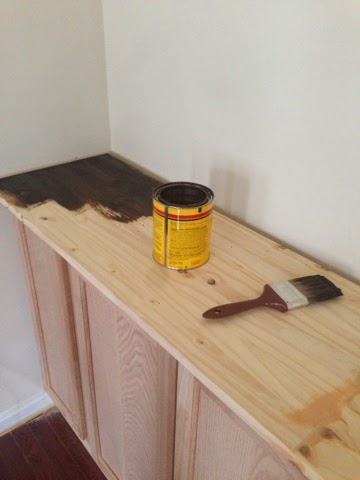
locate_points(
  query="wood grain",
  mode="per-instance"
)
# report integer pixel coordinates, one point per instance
(55, 450)
(78, 294)
(13, 465)
(54, 323)
(34, 453)
(187, 412)
(114, 189)
(21, 234)
(71, 443)
(272, 370)
(45, 448)
(133, 394)
(213, 443)
(226, 448)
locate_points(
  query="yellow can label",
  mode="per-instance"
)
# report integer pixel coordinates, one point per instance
(182, 235)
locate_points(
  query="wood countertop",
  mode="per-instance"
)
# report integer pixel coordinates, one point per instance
(293, 377)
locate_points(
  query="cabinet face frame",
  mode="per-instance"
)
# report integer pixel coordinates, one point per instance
(78, 293)
(73, 413)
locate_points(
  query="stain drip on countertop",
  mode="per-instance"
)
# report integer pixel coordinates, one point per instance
(112, 187)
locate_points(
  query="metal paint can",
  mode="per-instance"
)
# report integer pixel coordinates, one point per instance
(182, 214)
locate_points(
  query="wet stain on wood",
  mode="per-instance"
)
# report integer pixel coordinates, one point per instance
(328, 407)
(321, 410)
(113, 188)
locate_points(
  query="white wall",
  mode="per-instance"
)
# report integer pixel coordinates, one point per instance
(53, 96)
(53, 108)
(258, 99)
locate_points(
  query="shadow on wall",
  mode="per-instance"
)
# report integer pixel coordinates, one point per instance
(231, 188)
(238, 194)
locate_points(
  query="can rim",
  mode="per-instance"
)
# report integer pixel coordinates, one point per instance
(209, 194)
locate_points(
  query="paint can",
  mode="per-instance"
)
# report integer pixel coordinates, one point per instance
(182, 214)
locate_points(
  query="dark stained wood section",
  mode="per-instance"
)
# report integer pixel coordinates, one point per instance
(45, 449)
(112, 187)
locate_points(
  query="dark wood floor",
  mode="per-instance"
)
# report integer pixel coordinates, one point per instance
(45, 449)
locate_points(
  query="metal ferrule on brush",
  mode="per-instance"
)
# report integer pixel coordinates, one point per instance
(290, 294)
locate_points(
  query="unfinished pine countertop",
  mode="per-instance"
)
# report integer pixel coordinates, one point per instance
(293, 377)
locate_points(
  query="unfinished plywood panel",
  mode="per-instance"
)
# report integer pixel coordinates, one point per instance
(54, 324)
(133, 394)
(212, 443)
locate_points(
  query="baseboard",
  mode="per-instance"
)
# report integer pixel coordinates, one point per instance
(24, 410)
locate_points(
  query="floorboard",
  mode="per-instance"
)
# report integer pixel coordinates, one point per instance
(66, 435)
(56, 451)
(12, 463)
(45, 448)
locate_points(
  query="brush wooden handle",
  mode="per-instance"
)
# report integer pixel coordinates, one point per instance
(268, 298)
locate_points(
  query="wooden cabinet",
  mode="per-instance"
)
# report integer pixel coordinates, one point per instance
(295, 380)
(119, 389)
(132, 386)
(112, 382)
(212, 443)
(49, 286)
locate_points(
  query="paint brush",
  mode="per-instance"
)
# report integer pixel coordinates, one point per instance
(283, 296)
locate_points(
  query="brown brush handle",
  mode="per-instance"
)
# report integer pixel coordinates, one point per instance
(267, 299)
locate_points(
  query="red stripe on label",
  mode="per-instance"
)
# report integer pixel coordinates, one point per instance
(175, 216)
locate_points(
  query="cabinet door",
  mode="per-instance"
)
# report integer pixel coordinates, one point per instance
(213, 444)
(132, 389)
(49, 286)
